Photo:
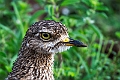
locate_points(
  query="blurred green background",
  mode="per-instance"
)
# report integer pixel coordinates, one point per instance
(94, 22)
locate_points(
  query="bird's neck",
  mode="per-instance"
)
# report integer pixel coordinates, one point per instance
(34, 66)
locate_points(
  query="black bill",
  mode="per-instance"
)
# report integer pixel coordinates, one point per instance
(72, 42)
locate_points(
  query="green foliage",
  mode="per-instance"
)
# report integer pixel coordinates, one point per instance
(87, 20)
(118, 34)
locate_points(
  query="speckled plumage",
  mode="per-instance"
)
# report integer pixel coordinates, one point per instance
(36, 56)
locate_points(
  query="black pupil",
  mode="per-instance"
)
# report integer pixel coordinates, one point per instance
(45, 35)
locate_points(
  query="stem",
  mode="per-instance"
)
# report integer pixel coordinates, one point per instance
(19, 18)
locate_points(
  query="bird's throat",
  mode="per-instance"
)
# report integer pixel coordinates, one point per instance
(33, 66)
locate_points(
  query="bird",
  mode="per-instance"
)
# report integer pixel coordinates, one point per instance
(41, 42)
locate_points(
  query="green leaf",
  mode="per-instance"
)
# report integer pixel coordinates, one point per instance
(36, 15)
(68, 2)
(17, 13)
(102, 8)
(50, 10)
(3, 59)
(97, 30)
(7, 29)
(3, 74)
(2, 54)
(13, 59)
(87, 2)
(9, 68)
(117, 34)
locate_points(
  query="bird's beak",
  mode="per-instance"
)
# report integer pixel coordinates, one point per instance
(72, 42)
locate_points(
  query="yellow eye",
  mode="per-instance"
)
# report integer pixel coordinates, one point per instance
(45, 35)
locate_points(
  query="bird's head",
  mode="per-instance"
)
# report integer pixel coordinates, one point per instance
(49, 37)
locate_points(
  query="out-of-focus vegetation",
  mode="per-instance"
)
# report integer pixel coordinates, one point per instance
(94, 22)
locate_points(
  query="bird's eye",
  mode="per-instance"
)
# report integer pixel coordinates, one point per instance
(45, 35)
